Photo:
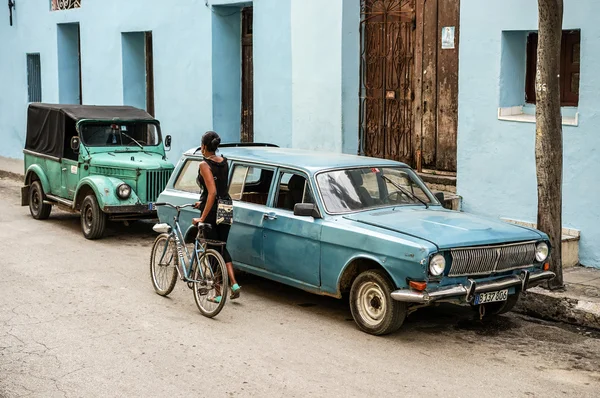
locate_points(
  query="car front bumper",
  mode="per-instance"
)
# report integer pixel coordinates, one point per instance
(523, 281)
(130, 212)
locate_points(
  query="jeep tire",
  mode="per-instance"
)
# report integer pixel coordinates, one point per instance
(372, 306)
(38, 209)
(93, 220)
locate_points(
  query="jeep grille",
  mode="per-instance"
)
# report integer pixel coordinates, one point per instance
(490, 259)
(156, 181)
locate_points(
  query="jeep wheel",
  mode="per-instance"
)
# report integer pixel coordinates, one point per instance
(93, 220)
(38, 209)
(372, 306)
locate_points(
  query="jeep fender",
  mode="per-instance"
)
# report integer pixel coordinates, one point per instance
(105, 189)
(37, 170)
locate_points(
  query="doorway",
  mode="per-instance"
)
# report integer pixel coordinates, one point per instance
(69, 64)
(247, 117)
(409, 81)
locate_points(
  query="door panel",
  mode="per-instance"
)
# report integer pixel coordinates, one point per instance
(245, 243)
(387, 48)
(292, 246)
(247, 127)
(70, 178)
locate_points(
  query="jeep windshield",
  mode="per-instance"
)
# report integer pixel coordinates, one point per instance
(350, 190)
(120, 134)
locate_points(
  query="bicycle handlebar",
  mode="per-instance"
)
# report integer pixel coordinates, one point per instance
(172, 205)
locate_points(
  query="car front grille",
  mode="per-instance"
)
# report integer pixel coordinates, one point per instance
(156, 181)
(490, 259)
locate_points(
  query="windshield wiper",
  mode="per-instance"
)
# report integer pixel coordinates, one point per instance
(133, 139)
(405, 191)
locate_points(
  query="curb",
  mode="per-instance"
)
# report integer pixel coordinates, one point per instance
(558, 306)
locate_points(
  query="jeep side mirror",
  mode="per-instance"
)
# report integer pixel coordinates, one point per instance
(75, 144)
(306, 210)
(168, 142)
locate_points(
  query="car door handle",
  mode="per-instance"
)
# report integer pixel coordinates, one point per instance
(64, 169)
(270, 216)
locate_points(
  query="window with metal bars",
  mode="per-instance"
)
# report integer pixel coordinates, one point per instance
(34, 78)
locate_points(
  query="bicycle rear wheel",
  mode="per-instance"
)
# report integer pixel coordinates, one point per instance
(213, 283)
(163, 271)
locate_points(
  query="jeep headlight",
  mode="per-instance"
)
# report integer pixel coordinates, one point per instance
(123, 191)
(541, 252)
(437, 264)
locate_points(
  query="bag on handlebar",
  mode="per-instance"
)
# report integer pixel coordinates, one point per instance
(225, 211)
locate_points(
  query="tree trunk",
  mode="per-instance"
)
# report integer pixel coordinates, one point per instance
(548, 132)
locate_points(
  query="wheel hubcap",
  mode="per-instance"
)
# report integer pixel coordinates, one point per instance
(35, 200)
(88, 217)
(371, 303)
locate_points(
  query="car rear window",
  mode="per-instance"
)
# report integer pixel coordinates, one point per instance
(186, 181)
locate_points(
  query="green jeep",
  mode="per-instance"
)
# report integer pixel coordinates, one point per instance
(106, 162)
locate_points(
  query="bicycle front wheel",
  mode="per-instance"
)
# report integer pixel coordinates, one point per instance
(163, 262)
(212, 282)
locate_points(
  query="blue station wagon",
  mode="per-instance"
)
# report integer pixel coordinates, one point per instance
(335, 224)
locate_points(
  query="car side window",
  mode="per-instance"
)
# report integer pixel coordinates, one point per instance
(250, 184)
(293, 189)
(186, 181)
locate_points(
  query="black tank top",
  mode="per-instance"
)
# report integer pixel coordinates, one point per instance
(220, 172)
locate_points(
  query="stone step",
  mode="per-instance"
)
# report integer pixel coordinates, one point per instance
(570, 242)
(436, 181)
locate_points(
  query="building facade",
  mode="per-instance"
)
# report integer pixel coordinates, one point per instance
(274, 71)
(496, 129)
(375, 77)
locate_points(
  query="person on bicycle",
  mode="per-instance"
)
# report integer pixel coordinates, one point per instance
(212, 178)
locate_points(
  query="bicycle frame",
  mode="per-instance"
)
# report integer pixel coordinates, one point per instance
(186, 260)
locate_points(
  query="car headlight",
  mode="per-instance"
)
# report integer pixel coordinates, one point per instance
(541, 252)
(437, 264)
(123, 191)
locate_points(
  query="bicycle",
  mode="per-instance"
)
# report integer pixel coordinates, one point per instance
(175, 259)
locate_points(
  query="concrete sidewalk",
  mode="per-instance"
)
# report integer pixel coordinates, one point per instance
(578, 304)
(11, 168)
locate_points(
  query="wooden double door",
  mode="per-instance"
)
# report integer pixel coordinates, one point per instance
(409, 81)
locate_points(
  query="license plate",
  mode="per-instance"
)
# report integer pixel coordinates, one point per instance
(490, 297)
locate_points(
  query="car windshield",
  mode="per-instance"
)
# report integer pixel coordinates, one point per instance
(358, 189)
(136, 134)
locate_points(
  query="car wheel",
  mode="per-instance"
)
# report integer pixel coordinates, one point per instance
(500, 307)
(93, 220)
(372, 306)
(38, 209)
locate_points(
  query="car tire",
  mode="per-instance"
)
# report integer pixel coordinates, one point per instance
(38, 209)
(93, 220)
(372, 306)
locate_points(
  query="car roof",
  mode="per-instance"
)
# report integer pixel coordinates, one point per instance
(312, 161)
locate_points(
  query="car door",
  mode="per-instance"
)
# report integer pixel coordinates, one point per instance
(249, 187)
(292, 244)
(70, 177)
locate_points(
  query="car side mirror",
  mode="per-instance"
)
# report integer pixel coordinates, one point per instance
(306, 210)
(440, 197)
(168, 143)
(75, 144)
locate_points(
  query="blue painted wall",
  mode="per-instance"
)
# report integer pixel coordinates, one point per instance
(496, 159)
(306, 65)
(134, 69)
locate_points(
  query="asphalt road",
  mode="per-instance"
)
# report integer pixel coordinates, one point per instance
(80, 319)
